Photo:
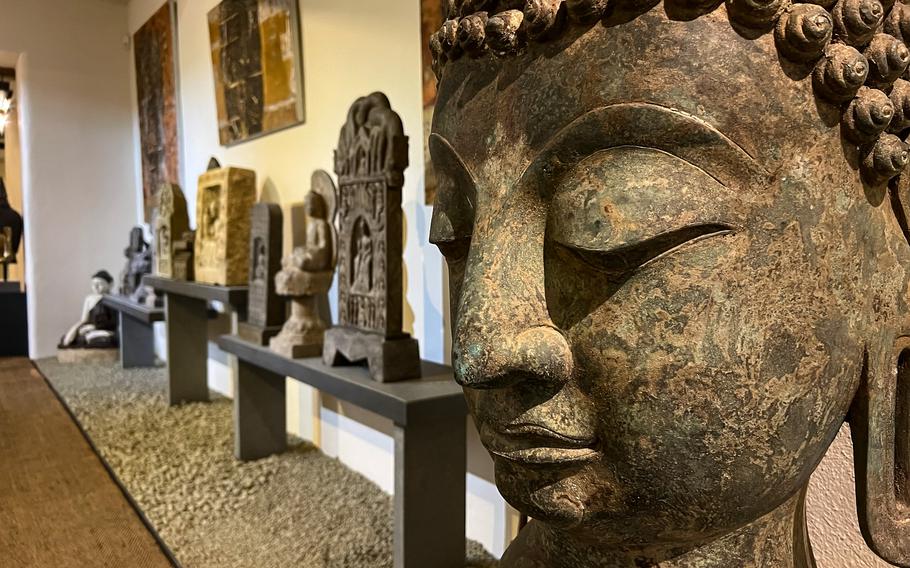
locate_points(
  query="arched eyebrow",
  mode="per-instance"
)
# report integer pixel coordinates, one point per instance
(643, 125)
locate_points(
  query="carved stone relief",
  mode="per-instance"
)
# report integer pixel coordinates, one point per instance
(224, 200)
(370, 160)
(265, 309)
(171, 221)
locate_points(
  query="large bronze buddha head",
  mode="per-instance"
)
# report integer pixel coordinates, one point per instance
(677, 242)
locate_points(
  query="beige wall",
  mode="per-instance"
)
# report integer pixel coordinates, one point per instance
(76, 151)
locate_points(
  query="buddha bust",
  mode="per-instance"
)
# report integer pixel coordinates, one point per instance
(678, 250)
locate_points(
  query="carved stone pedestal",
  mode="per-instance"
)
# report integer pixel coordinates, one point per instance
(389, 359)
(302, 334)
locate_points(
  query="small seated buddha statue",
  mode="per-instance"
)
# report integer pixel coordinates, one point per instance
(307, 274)
(678, 245)
(97, 328)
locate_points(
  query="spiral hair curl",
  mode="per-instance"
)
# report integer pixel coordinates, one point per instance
(859, 50)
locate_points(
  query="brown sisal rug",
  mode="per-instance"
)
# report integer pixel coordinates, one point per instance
(58, 505)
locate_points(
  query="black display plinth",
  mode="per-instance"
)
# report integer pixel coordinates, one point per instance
(137, 336)
(13, 321)
(186, 308)
(429, 429)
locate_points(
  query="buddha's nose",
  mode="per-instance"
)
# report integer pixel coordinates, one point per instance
(497, 360)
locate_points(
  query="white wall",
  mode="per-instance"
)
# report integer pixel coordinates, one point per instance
(76, 151)
(350, 49)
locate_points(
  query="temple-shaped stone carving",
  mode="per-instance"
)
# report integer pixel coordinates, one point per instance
(370, 160)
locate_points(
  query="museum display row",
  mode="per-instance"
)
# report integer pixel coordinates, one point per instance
(677, 267)
(356, 226)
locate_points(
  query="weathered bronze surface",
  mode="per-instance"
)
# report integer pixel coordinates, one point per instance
(677, 267)
(171, 222)
(370, 160)
(223, 205)
(265, 309)
(307, 273)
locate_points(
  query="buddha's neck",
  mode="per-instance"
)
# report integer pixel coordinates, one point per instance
(778, 539)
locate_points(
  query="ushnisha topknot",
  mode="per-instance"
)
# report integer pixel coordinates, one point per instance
(857, 51)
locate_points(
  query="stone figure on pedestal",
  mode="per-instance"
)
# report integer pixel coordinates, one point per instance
(370, 160)
(97, 327)
(10, 233)
(307, 273)
(171, 222)
(139, 261)
(678, 252)
(265, 309)
(223, 205)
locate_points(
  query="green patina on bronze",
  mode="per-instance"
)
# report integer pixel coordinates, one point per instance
(677, 266)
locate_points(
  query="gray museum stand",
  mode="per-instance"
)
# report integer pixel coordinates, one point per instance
(137, 332)
(186, 309)
(430, 448)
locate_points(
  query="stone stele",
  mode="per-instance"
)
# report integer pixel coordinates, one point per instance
(223, 205)
(184, 250)
(265, 308)
(171, 221)
(370, 160)
(677, 242)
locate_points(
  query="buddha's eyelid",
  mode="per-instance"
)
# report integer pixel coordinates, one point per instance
(445, 155)
(643, 125)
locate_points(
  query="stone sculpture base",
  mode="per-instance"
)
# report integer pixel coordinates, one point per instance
(302, 334)
(70, 356)
(257, 334)
(389, 359)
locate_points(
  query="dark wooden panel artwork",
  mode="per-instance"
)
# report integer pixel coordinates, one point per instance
(432, 16)
(156, 87)
(258, 73)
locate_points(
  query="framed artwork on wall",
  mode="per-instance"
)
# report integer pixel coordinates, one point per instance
(432, 16)
(258, 67)
(155, 53)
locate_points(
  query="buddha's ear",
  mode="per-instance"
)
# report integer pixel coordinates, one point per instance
(880, 424)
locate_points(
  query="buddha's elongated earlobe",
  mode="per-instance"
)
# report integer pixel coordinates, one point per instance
(880, 424)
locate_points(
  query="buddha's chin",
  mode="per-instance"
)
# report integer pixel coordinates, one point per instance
(556, 498)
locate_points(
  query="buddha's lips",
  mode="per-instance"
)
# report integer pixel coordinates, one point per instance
(537, 444)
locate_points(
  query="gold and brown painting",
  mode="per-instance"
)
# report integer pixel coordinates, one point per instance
(258, 71)
(156, 89)
(432, 16)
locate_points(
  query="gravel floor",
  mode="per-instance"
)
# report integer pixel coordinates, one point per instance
(300, 509)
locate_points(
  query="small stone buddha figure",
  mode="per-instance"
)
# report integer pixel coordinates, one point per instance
(677, 237)
(317, 252)
(307, 274)
(97, 328)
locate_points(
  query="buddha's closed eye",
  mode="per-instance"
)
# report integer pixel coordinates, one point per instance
(628, 258)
